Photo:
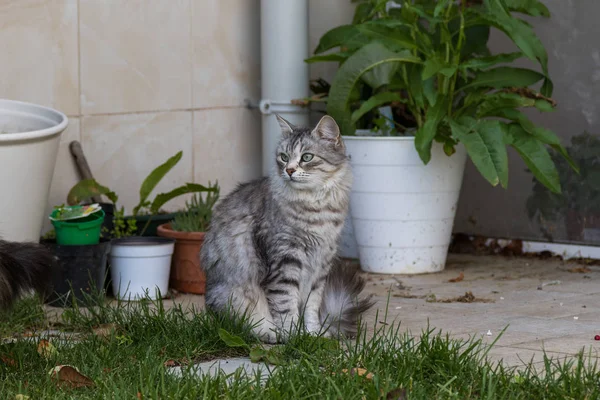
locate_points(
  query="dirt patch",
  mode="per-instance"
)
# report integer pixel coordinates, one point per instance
(407, 296)
(483, 246)
(468, 297)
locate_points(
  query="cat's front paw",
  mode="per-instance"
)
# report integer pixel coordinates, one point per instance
(266, 336)
(314, 329)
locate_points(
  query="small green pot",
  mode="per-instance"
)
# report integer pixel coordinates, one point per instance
(80, 231)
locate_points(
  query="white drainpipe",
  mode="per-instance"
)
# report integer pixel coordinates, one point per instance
(284, 74)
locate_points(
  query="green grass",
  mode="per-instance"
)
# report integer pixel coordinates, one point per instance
(130, 360)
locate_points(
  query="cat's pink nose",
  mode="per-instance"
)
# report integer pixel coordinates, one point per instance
(290, 171)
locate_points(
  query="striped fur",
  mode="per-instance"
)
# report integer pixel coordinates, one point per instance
(273, 241)
(23, 267)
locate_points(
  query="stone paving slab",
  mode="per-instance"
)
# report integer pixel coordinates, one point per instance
(229, 367)
(560, 318)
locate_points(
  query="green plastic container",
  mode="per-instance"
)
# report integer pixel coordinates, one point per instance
(80, 231)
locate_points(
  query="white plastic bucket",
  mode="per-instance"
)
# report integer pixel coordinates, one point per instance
(402, 210)
(29, 139)
(140, 267)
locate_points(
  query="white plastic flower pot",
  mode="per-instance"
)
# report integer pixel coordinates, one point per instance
(29, 139)
(140, 267)
(348, 247)
(402, 210)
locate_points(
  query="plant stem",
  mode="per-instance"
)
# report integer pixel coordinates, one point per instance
(456, 61)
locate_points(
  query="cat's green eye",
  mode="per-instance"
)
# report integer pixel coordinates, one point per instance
(284, 157)
(306, 157)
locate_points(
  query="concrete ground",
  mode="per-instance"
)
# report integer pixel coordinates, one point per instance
(546, 305)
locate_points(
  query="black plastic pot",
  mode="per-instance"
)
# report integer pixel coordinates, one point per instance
(81, 272)
(147, 225)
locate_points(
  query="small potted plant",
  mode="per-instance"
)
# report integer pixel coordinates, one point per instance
(81, 254)
(188, 228)
(578, 207)
(147, 214)
(139, 265)
(416, 93)
(77, 225)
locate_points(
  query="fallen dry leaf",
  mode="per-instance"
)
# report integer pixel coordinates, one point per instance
(359, 372)
(8, 361)
(104, 330)
(171, 363)
(457, 279)
(70, 376)
(139, 395)
(580, 270)
(46, 349)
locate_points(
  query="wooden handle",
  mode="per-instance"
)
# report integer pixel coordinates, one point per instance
(82, 164)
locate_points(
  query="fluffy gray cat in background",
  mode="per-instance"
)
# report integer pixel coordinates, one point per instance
(271, 247)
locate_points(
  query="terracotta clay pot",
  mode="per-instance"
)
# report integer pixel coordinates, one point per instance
(186, 273)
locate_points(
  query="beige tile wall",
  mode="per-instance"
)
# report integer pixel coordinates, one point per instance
(141, 80)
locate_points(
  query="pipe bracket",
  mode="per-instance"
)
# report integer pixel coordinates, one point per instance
(267, 106)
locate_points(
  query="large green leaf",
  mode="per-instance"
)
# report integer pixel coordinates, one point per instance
(154, 178)
(544, 135)
(484, 141)
(476, 40)
(375, 101)
(415, 83)
(333, 57)
(535, 155)
(427, 132)
(503, 77)
(365, 59)
(522, 34)
(430, 91)
(431, 66)
(481, 63)
(87, 188)
(381, 75)
(163, 198)
(534, 8)
(500, 101)
(337, 37)
(395, 38)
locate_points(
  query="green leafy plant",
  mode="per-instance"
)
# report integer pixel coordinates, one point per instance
(429, 61)
(90, 187)
(579, 202)
(198, 212)
(127, 226)
(122, 227)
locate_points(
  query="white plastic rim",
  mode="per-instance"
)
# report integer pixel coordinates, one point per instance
(402, 210)
(29, 140)
(140, 270)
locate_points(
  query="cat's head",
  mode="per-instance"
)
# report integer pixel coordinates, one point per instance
(309, 159)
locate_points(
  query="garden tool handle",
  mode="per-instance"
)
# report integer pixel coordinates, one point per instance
(82, 164)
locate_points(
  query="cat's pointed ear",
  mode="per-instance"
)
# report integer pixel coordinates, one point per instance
(286, 127)
(328, 129)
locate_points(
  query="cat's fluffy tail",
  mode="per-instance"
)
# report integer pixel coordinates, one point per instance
(23, 267)
(341, 307)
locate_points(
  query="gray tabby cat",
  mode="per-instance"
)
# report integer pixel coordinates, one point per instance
(272, 243)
